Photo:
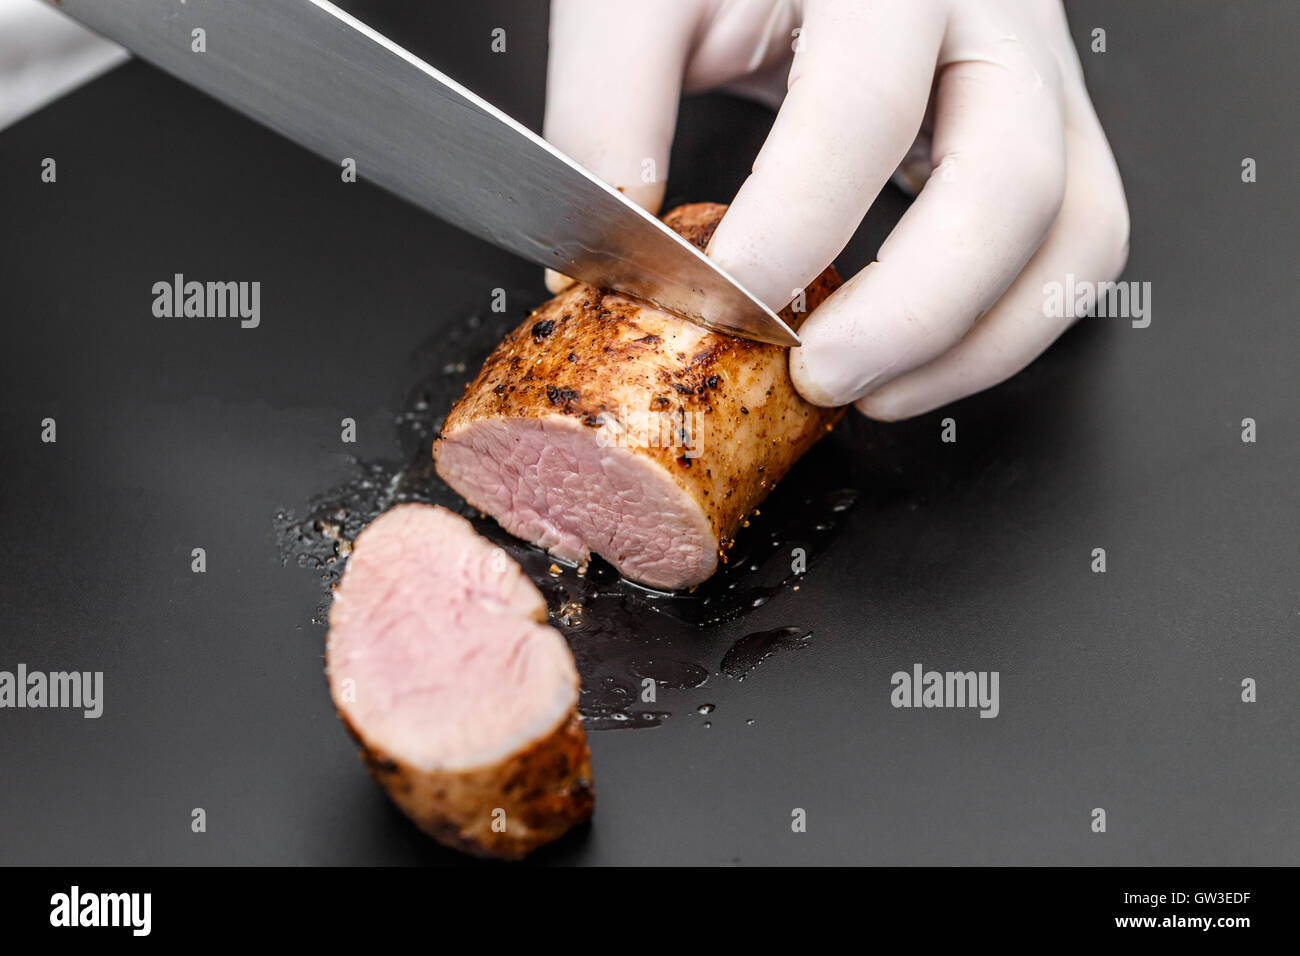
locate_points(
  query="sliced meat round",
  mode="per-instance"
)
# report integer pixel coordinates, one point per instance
(463, 700)
(605, 425)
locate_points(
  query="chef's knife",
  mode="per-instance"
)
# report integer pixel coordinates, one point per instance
(319, 76)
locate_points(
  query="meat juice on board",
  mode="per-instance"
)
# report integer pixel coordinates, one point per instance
(621, 633)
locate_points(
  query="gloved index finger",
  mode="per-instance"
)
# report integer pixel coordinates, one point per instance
(858, 90)
(614, 77)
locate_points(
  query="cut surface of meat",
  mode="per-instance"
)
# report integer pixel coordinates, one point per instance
(548, 485)
(605, 425)
(463, 700)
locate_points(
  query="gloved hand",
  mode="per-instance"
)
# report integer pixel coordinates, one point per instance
(1023, 187)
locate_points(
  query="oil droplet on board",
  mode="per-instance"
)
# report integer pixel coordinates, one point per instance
(752, 649)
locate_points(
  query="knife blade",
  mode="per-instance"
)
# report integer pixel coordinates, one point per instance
(324, 79)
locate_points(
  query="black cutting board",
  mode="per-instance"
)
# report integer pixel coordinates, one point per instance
(1118, 690)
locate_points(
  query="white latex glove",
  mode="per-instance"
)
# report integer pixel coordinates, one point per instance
(1024, 188)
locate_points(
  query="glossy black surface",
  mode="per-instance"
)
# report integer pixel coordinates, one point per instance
(1118, 690)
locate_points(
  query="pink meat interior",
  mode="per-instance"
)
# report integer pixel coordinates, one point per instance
(551, 482)
(438, 632)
